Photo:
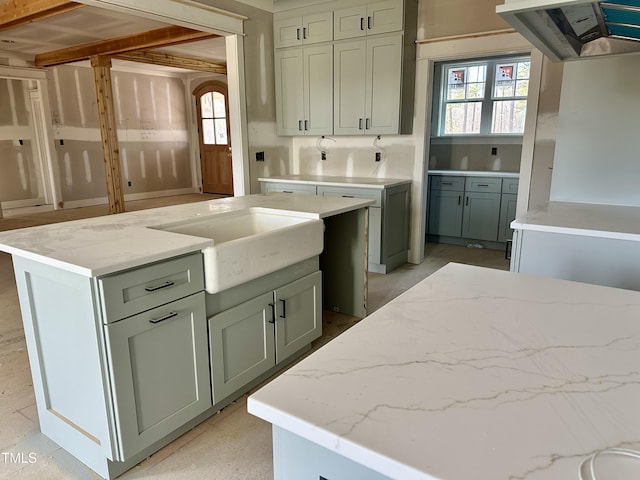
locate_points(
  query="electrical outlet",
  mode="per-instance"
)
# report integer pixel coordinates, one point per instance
(323, 155)
(378, 156)
(494, 150)
(259, 156)
(129, 183)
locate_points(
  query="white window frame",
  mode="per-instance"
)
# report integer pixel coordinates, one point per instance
(487, 101)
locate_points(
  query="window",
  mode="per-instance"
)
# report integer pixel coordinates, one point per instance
(487, 97)
(214, 118)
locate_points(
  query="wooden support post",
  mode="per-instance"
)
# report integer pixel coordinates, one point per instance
(108, 130)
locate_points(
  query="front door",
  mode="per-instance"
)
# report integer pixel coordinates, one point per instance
(215, 142)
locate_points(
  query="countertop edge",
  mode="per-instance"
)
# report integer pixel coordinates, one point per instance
(335, 443)
(390, 182)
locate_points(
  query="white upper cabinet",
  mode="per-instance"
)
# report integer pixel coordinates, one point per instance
(303, 30)
(369, 19)
(367, 77)
(304, 90)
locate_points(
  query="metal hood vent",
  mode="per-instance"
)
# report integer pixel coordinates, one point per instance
(574, 29)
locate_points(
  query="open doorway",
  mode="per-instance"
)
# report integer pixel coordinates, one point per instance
(214, 137)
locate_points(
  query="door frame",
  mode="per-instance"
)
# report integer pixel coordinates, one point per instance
(197, 92)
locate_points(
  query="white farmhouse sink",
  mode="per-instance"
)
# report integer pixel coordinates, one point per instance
(250, 243)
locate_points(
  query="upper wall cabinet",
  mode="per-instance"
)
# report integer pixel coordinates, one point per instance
(304, 90)
(370, 19)
(302, 30)
(363, 84)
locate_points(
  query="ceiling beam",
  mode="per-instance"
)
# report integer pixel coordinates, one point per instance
(167, 60)
(14, 13)
(161, 37)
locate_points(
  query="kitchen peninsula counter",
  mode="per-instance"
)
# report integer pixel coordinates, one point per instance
(473, 373)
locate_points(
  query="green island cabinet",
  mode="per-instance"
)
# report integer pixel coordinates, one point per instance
(125, 363)
(345, 67)
(474, 208)
(388, 233)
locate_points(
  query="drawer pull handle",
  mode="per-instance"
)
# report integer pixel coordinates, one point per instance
(361, 23)
(459, 199)
(166, 317)
(160, 287)
(304, 33)
(297, 34)
(369, 23)
(287, 191)
(447, 183)
(284, 308)
(273, 313)
(483, 184)
(467, 201)
(359, 124)
(347, 196)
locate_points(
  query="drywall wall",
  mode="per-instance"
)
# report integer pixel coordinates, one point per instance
(471, 156)
(596, 154)
(19, 176)
(152, 133)
(443, 18)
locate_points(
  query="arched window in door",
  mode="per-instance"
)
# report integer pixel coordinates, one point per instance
(215, 143)
(214, 118)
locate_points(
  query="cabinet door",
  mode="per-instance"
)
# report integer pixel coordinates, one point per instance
(289, 92)
(317, 28)
(242, 345)
(349, 22)
(445, 213)
(383, 85)
(287, 32)
(481, 215)
(507, 215)
(318, 90)
(159, 371)
(384, 17)
(349, 87)
(298, 308)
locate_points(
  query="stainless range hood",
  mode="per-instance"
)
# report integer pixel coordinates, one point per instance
(575, 29)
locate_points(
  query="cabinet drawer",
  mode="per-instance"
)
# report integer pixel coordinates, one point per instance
(350, 192)
(439, 182)
(510, 185)
(288, 188)
(483, 184)
(133, 291)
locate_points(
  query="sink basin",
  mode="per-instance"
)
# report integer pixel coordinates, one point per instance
(250, 243)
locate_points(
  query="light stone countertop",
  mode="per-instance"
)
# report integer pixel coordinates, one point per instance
(337, 181)
(593, 220)
(473, 374)
(107, 244)
(475, 173)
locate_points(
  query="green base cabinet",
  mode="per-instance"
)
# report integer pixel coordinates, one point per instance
(249, 339)
(465, 210)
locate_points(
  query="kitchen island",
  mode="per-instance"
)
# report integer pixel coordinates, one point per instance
(130, 345)
(590, 243)
(471, 374)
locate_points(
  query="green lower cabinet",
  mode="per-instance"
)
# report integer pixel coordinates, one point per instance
(481, 216)
(249, 339)
(445, 213)
(160, 371)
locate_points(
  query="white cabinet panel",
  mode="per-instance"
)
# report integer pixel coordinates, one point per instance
(369, 19)
(349, 85)
(289, 91)
(383, 85)
(302, 30)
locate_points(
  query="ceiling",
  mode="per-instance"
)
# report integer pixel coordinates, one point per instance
(52, 32)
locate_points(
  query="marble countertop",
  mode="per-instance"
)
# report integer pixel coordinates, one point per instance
(594, 220)
(102, 245)
(475, 173)
(361, 182)
(473, 374)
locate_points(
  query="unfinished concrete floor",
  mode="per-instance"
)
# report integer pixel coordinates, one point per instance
(231, 445)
